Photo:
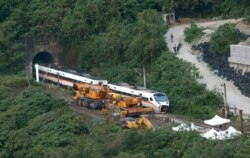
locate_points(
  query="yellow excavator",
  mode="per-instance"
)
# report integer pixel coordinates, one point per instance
(142, 122)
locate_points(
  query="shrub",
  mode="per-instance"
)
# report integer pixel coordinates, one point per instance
(33, 120)
(247, 20)
(193, 33)
(177, 79)
(222, 38)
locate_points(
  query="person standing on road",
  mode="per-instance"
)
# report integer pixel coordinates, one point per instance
(175, 49)
(172, 37)
(179, 47)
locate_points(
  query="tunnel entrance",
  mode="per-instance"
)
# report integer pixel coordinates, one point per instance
(43, 58)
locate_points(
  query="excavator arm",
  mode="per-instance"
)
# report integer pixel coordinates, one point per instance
(140, 123)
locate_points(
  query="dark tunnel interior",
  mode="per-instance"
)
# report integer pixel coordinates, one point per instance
(43, 58)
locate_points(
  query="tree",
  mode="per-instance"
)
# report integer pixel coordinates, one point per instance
(222, 38)
(148, 42)
(193, 33)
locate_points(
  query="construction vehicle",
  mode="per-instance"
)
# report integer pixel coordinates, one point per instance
(152, 99)
(129, 106)
(142, 122)
(91, 96)
(97, 97)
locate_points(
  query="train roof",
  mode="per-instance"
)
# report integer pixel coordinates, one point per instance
(72, 76)
(133, 91)
(71, 71)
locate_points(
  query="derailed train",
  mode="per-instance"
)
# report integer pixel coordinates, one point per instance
(157, 101)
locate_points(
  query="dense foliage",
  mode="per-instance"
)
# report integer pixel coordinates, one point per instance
(126, 45)
(12, 59)
(178, 80)
(11, 85)
(33, 124)
(222, 38)
(244, 149)
(113, 26)
(107, 32)
(208, 8)
(192, 33)
(247, 20)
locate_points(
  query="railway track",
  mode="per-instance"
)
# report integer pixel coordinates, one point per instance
(178, 119)
(161, 120)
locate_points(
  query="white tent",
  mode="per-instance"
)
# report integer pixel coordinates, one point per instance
(211, 134)
(216, 121)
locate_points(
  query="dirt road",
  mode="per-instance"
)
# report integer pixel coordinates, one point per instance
(234, 96)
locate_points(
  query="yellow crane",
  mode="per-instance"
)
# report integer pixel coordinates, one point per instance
(97, 97)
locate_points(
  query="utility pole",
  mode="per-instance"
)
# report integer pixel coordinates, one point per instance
(144, 77)
(241, 121)
(225, 100)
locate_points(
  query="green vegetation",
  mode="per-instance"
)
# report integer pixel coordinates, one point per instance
(11, 58)
(193, 33)
(178, 80)
(126, 45)
(11, 85)
(208, 8)
(222, 38)
(247, 20)
(234, 9)
(244, 149)
(33, 124)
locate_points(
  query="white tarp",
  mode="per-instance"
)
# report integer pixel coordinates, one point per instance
(185, 127)
(211, 134)
(216, 121)
(230, 133)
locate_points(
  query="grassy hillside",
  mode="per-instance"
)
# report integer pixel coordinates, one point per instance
(34, 124)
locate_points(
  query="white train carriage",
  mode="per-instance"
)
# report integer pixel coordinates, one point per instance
(64, 78)
(156, 100)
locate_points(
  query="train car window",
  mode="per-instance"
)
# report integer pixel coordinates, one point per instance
(144, 99)
(151, 99)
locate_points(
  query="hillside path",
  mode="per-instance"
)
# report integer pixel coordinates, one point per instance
(234, 96)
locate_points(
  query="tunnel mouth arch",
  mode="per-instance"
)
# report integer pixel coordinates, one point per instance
(44, 58)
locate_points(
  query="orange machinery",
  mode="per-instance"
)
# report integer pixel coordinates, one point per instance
(97, 97)
(91, 96)
(129, 105)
